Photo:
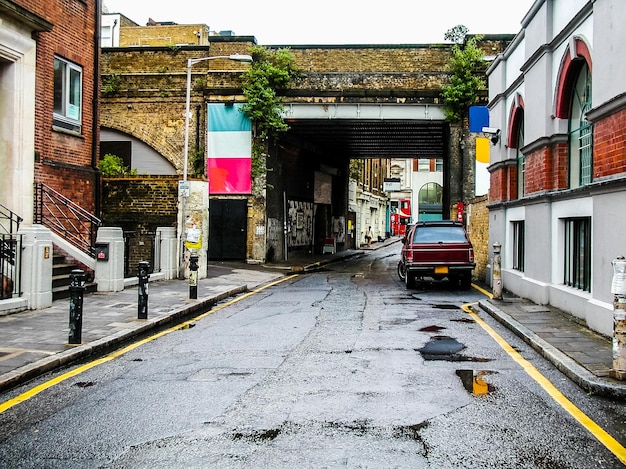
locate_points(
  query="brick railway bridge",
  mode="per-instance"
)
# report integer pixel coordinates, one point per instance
(352, 102)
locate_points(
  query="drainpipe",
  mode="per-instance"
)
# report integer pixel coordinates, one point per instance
(95, 130)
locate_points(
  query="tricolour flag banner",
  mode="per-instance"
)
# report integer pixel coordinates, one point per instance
(229, 158)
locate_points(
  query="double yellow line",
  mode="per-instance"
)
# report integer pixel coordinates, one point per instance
(118, 353)
(598, 432)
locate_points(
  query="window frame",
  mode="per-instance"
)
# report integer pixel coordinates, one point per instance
(577, 243)
(518, 229)
(580, 130)
(68, 101)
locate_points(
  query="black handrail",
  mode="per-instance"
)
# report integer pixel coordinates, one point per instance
(65, 218)
(10, 265)
(13, 219)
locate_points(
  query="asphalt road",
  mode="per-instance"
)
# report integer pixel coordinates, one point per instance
(340, 368)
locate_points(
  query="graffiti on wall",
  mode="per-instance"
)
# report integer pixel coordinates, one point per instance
(339, 229)
(300, 223)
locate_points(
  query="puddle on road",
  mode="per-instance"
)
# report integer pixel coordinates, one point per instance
(475, 383)
(84, 384)
(257, 435)
(442, 347)
(446, 306)
(432, 329)
(467, 320)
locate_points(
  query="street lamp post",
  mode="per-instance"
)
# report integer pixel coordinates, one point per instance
(190, 63)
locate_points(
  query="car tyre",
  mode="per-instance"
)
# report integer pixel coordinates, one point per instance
(409, 280)
(402, 271)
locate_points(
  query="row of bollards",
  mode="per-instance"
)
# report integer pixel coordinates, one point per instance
(77, 293)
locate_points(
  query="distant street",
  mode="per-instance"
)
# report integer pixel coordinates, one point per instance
(344, 367)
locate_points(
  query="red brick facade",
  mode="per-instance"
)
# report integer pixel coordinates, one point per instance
(609, 142)
(545, 170)
(503, 184)
(64, 160)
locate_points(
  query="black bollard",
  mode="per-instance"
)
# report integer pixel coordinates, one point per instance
(77, 290)
(193, 276)
(142, 290)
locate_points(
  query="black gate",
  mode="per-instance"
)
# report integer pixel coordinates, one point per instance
(228, 229)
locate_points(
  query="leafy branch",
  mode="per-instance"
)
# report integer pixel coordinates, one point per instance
(467, 67)
(270, 71)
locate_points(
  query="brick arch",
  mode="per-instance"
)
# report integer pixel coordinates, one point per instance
(576, 55)
(163, 135)
(516, 118)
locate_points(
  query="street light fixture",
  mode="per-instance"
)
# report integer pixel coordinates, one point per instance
(190, 63)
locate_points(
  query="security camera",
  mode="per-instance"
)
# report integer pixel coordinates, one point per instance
(491, 130)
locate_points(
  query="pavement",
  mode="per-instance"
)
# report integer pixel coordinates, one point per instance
(35, 342)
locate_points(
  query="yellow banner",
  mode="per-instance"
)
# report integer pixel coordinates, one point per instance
(483, 147)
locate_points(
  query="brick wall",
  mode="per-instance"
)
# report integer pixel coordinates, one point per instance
(547, 169)
(478, 230)
(163, 35)
(62, 160)
(609, 136)
(139, 206)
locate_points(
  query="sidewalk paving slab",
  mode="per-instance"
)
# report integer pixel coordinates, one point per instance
(581, 354)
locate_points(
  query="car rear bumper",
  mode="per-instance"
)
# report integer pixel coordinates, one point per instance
(439, 269)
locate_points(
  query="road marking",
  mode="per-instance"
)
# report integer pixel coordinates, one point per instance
(118, 353)
(598, 432)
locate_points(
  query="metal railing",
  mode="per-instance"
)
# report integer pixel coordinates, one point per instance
(10, 254)
(65, 218)
(9, 220)
(10, 265)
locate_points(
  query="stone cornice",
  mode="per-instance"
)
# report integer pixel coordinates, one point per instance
(33, 21)
(618, 103)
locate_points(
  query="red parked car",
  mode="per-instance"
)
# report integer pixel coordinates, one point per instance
(437, 249)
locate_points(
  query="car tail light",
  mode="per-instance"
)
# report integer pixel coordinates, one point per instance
(471, 255)
(409, 254)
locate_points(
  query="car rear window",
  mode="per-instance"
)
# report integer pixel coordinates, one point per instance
(439, 234)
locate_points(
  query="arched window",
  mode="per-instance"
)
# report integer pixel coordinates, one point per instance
(516, 141)
(573, 100)
(580, 131)
(430, 202)
(521, 160)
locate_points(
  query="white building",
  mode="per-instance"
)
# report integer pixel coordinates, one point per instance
(558, 175)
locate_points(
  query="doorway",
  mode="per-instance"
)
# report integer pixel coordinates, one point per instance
(228, 229)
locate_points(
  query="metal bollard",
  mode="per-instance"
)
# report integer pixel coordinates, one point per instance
(497, 274)
(193, 276)
(618, 288)
(142, 289)
(77, 290)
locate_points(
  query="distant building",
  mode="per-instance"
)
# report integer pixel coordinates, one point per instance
(119, 31)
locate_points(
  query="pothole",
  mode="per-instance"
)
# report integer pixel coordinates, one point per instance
(432, 328)
(446, 348)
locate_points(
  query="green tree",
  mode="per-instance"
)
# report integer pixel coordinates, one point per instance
(270, 71)
(467, 68)
(456, 34)
(113, 166)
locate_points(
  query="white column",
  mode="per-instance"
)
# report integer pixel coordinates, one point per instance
(36, 266)
(169, 260)
(110, 272)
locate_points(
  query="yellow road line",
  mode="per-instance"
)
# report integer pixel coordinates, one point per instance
(598, 432)
(118, 353)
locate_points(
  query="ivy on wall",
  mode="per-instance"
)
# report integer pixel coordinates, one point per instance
(271, 71)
